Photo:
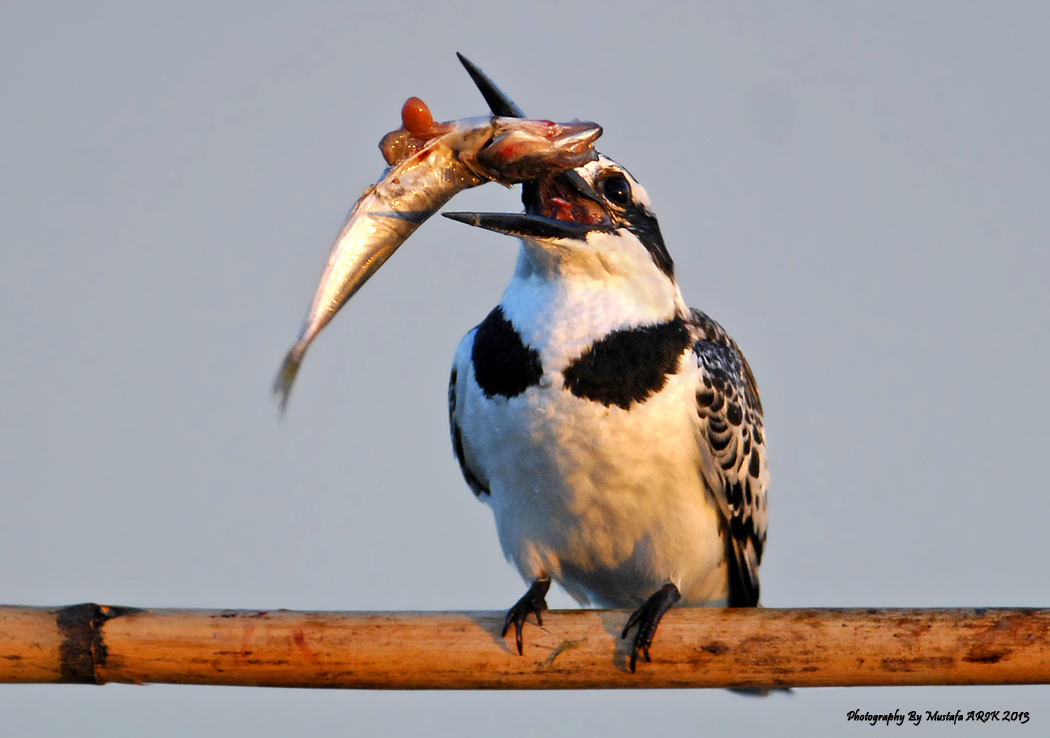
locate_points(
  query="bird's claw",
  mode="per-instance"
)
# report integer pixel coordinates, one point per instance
(534, 601)
(647, 617)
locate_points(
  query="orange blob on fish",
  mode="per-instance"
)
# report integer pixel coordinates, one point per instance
(430, 162)
(417, 129)
(416, 117)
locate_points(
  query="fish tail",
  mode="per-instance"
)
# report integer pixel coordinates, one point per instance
(282, 386)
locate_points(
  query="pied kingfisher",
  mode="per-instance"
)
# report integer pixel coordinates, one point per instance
(615, 432)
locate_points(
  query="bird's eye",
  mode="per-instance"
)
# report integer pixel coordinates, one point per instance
(617, 189)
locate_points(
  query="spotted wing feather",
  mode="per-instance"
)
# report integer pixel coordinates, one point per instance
(732, 445)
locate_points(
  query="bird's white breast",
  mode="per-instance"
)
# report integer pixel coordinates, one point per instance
(607, 501)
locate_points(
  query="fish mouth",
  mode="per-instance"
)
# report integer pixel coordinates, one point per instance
(561, 205)
(527, 150)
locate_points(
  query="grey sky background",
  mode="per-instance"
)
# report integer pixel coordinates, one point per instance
(859, 193)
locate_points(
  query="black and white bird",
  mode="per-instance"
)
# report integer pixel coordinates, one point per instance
(615, 432)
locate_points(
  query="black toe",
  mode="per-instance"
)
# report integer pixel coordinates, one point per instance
(647, 617)
(534, 601)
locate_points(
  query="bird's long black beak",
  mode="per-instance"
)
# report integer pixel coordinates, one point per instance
(525, 225)
(532, 223)
(520, 225)
(497, 100)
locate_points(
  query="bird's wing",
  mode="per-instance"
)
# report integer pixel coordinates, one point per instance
(456, 387)
(732, 446)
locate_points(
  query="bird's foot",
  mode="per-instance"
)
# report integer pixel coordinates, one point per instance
(534, 601)
(647, 617)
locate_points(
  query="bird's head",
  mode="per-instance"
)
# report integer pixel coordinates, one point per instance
(592, 224)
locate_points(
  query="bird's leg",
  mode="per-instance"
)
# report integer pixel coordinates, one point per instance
(533, 601)
(647, 617)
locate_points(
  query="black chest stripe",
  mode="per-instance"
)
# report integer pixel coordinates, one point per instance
(628, 365)
(503, 364)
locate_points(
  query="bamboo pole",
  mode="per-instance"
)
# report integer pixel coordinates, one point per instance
(575, 649)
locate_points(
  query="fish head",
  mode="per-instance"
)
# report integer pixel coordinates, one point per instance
(522, 150)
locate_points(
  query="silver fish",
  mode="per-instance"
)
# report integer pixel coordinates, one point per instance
(429, 163)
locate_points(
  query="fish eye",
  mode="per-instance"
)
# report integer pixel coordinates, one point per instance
(617, 189)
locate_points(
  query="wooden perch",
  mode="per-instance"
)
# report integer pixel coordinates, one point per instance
(574, 649)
